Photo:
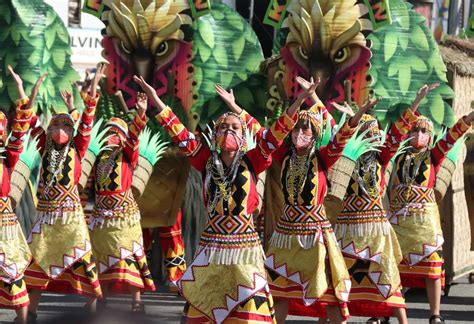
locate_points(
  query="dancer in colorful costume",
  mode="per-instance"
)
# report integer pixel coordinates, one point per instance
(116, 233)
(16, 255)
(368, 242)
(304, 259)
(59, 240)
(414, 212)
(227, 280)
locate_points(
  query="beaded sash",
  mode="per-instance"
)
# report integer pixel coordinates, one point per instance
(230, 239)
(59, 202)
(118, 210)
(304, 222)
(412, 201)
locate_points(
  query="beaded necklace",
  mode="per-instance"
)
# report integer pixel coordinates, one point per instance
(297, 173)
(368, 181)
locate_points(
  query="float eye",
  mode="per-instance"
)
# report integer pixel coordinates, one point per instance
(303, 53)
(342, 55)
(162, 49)
(125, 49)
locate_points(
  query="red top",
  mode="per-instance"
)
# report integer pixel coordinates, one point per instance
(120, 178)
(14, 147)
(81, 139)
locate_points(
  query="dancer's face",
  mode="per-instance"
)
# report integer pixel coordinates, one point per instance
(302, 135)
(116, 137)
(421, 137)
(61, 132)
(229, 134)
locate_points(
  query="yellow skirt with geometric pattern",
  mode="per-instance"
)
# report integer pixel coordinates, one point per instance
(415, 218)
(305, 262)
(117, 243)
(227, 281)
(372, 254)
(62, 252)
(15, 256)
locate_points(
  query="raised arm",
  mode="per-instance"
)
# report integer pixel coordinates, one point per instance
(272, 138)
(228, 97)
(197, 153)
(138, 123)
(402, 126)
(22, 119)
(82, 138)
(442, 147)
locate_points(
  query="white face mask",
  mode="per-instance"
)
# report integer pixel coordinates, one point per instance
(301, 140)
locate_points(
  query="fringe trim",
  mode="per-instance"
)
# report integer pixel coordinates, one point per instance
(9, 232)
(363, 229)
(67, 217)
(107, 219)
(245, 255)
(283, 241)
(415, 210)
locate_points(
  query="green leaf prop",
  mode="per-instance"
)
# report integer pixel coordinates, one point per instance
(151, 147)
(98, 138)
(454, 152)
(227, 52)
(35, 41)
(30, 154)
(359, 145)
(405, 56)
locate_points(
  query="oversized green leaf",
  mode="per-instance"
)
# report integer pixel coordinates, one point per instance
(46, 55)
(375, 43)
(419, 39)
(59, 58)
(390, 45)
(404, 18)
(403, 40)
(236, 22)
(50, 36)
(16, 34)
(417, 64)
(61, 32)
(238, 46)
(204, 52)
(226, 78)
(220, 55)
(404, 79)
(206, 31)
(437, 109)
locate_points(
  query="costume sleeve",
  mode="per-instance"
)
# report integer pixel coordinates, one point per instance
(396, 135)
(333, 151)
(269, 141)
(197, 153)
(442, 147)
(83, 136)
(251, 123)
(132, 142)
(19, 128)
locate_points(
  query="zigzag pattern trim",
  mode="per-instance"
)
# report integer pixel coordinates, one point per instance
(243, 292)
(428, 250)
(137, 249)
(363, 254)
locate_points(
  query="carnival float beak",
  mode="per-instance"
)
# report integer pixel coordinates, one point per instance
(143, 66)
(323, 70)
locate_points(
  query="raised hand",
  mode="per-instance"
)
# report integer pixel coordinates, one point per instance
(35, 89)
(345, 108)
(150, 92)
(99, 73)
(68, 99)
(369, 104)
(291, 111)
(469, 118)
(228, 98)
(142, 104)
(305, 84)
(421, 94)
(310, 90)
(18, 82)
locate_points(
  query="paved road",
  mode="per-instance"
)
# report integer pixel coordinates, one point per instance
(167, 307)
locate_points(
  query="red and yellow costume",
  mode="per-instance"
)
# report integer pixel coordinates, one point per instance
(227, 281)
(305, 262)
(368, 242)
(116, 234)
(59, 239)
(14, 252)
(414, 212)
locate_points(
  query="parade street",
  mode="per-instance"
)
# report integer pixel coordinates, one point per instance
(163, 307)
